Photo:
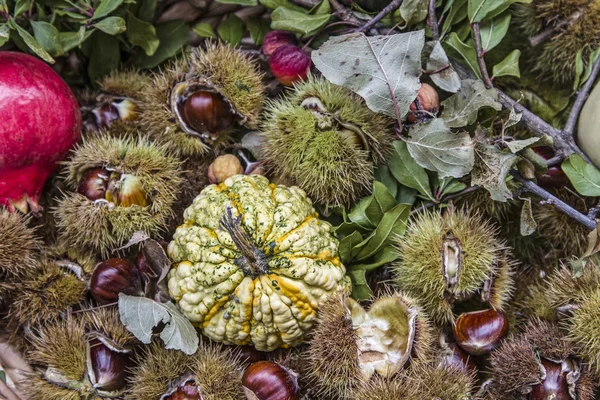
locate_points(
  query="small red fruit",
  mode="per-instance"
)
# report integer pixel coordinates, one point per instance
(479, 332)
(425, 106)
(266, 380)
(93, 183)
(112, 277)
(206, 112)
(275, 39)
(39, 122)
(554, 176)
(289, 64)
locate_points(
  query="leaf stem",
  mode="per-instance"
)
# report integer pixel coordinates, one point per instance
(480, 53)
(582, 96)
(394, 4)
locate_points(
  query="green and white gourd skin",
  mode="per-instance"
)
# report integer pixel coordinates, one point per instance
(268, 293)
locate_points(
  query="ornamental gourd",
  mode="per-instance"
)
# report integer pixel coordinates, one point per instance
(253, 263)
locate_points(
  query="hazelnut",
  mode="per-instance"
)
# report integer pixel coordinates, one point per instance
(224, 167)
(425, 106)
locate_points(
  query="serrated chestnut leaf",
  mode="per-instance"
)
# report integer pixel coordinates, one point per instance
(109, 366)
(267, 380)
(112, 277)
(479, 332)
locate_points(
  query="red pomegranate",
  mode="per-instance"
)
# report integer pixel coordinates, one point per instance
(39, 122)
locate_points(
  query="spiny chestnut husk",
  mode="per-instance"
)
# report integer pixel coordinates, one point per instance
(275, 39)
(324, 139)
(440, 381)
(160, 373)
(191, 107)
(425, 106)
(451, 258)
(78, 361)
(267, 380)
(289, 64)
(19, 247)
(118, 103)
(540, 361)
(141, 191)
(350, 345)
(479, 332)
(114, 276)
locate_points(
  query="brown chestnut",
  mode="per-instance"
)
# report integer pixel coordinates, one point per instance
(289, 64)
(554, 177)
(425, 106)
(93, 183)
(275, 39)
(206, 112)
(187, 390)
(112, 277)
(249, 354)
(109, 366)
(458, 357)
(267, 380)
(479, 332)
(554, 386)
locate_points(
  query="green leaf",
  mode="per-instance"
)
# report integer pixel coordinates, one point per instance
(478, 9)
(48, 37)
(360, 287)
(273, 4)
(348, 228)
(147, 10)
(322, 9)
(503, 6)
(491, 168)
(106, 7)
(435, 147)
(295, 21)
(258, 28)
(112, 25)
(172, 36)
(406, 195)
(493, 31)
(457, 13)
(584, 177)
(461, 109)
(509, 66)
(141, 316)
(578, 69)
(588, 70)
(4, 33)
(528, 224)
(31, 42)
(393, 223)
(240, 2)
(451, 185)
(384, 175)
(406, 170)
(3, 376)
(414, 11)
(387, 255)
(105, 56)
(447, 79)
(516, 146)
(466, 52)
(203, 29)
(377, 68)
(359, 215)
(231, 30)
(21, 6)
(384, 200)
(347, 244)
(70, 40)
(143, 34)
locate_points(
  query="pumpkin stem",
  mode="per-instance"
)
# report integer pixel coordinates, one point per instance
(253, 261)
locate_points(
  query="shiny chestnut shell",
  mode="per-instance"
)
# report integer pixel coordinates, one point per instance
(554, 386)
(205, 111)
(267, 380)
(109, 366)
(458, 357)
(112, 277)
(479, 332)
(93, 183)
(187, 391)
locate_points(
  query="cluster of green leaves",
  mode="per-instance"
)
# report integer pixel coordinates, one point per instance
(493, 17)
(104, 31)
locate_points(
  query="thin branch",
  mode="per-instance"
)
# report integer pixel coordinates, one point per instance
(550, 31)
(394, 4)
(580, 101)
(549, 198)
(480, 53)
(432, 21)
(444, 199)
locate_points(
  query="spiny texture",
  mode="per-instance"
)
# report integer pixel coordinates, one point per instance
(215, 370)
(61, 345)
(47, 295)
(448, 382)
(235, 76)
(72, 258)
(159, 120)
(584, 330)
(379, 388)
(102, 226)
(332, 355)
(324, 138)
(484, 257)
(18, 246)
(106, 323)
(563, 289)
(37, 388)
(128, 83)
